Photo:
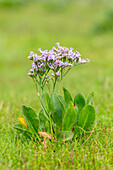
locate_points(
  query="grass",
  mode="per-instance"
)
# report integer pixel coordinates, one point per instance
(27, 27)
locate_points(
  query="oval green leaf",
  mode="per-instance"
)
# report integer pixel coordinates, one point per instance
(45, 102)
(87, 117)
(79, 100)
(90, 99)
(43, 121)
(69, 118)
(31, 117)
(67, 96)
(56, 109)
(63, 104)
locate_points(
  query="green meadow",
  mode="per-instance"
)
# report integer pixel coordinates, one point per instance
(85, 25)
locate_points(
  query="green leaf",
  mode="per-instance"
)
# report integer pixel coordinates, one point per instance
(35, 124)
(42, 119)
(67, 96)
(63, 104)
(62, 101)
(43, 122)
(69, 118)
(45, 102)
(22, 130)
(31, 117)
(56, 109)
(29, 113)
(65, 135)
(90, 99)
(79, 100)
(87, 117)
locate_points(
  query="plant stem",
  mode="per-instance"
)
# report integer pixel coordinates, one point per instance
(66, 72)
(61, 73)
(49, 88)
(36, 85)
(43, 81)
(54, 84)
(51, 128)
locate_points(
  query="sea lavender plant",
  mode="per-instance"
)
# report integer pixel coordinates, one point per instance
(53, 65)
(62, 117)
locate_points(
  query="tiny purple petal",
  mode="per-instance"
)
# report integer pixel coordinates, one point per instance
(32, 70)
(82, 61)
(52, 74)
(61, 49)
(54, 49)
(30, 57)
(40, 50)
(38, 58)
(66, 49)
(44, 58)
(45, 52)
(57, 73)
(87, 60)
(64, 55)
(31, 53)
(51, 67)
(58, 44)
(78, 54)
(68, 64)
(71, 49)
(31, 74)
(61, 64)
(51, 57)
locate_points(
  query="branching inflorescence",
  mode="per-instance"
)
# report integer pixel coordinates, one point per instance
(53, 65)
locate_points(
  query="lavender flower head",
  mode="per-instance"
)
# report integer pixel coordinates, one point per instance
(58, 60)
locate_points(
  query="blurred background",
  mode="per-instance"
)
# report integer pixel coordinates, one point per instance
(86, 25)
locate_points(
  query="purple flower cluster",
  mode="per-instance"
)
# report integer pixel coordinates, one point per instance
(56, 60)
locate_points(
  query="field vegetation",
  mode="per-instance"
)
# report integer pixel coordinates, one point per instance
(27, 26)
